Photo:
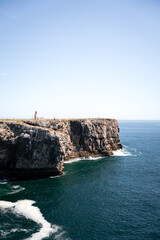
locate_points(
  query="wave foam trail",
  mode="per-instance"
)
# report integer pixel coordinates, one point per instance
(3, 182)
(82, 158)
(5, 233)
(58, 176)
(25, 208)
(8, 189)
(16, 189)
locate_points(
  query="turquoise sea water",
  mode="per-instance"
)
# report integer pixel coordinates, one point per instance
(113, 198)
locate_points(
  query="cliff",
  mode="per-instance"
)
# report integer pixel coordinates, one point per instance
(33, 149)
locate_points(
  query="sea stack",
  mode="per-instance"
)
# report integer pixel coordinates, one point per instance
(36, 149)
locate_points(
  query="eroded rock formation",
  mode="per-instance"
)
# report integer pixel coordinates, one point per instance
(33, 149)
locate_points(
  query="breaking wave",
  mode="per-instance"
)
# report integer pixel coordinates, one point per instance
(64, 173)
(25, 208)
(121, 152)
(82, 159)
(126, 151)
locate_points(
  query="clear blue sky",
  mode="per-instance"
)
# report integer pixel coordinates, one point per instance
(77, 59)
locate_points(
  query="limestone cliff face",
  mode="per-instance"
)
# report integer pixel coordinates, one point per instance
(33, 149)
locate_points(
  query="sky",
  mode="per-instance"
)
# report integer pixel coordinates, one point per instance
(80, 59)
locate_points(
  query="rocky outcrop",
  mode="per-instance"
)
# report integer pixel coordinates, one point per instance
(33, 149)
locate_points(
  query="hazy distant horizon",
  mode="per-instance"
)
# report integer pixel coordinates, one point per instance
(80, 59)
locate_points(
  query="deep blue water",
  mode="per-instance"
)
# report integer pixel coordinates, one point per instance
(114, 198)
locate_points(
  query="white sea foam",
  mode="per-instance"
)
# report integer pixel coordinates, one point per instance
(58, 236)
(5, 233)
(15, 186)
(58, 175)
(9, 189)
(93, 158)
(3, 182)
(121, 153)
(82, 159)
(127, 151)
(25, 208)
(16, 189)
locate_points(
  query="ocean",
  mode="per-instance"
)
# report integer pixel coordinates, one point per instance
(110, 198)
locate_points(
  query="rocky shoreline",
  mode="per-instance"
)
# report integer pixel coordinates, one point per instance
(38, 148)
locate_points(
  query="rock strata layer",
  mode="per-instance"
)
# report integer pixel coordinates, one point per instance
(36, 149)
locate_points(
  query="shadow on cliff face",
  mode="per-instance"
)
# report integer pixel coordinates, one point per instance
(98, 137)
(83, 138)
(29, 153)
(76, 134)
(7, 155)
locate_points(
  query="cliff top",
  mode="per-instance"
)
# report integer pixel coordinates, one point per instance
(51, 120)
(58, 125)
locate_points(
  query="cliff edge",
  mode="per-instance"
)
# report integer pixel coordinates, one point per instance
(38, 148)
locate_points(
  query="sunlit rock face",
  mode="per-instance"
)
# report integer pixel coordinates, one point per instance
(38, 148)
